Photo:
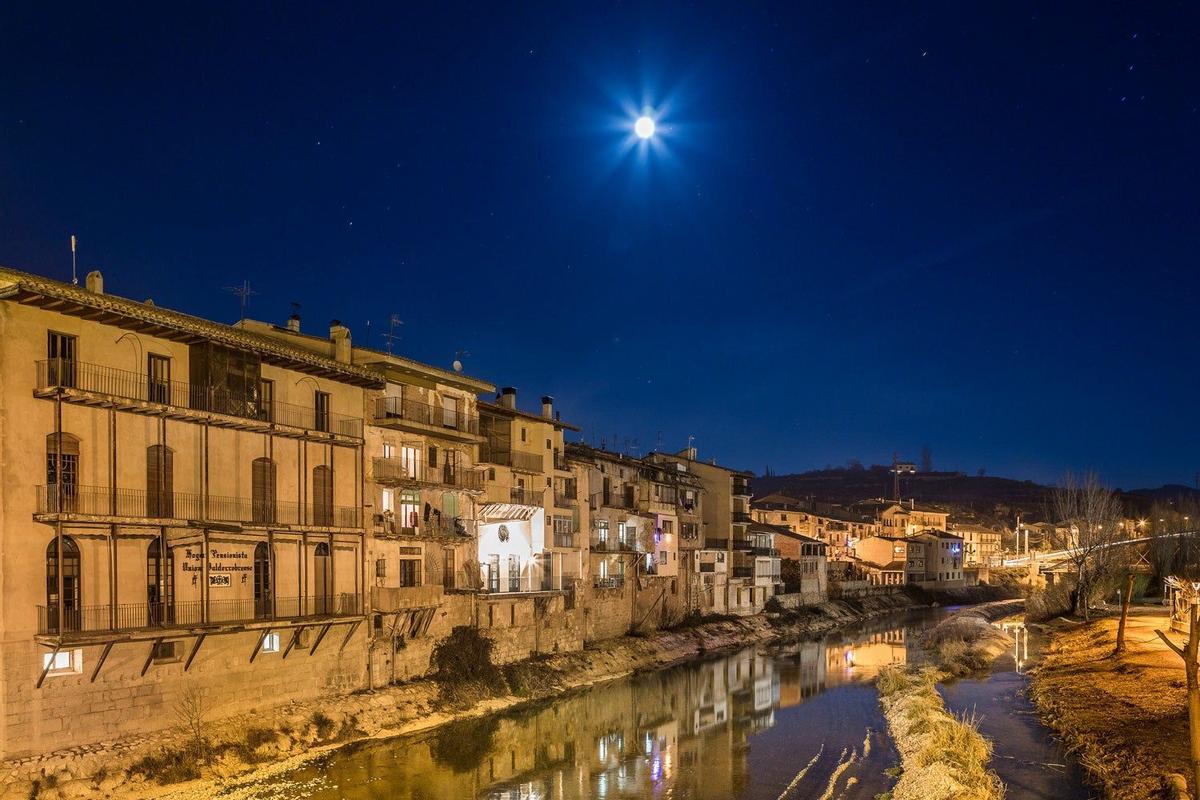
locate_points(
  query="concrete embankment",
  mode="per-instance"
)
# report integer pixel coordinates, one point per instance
(244, 750)
(944, 757)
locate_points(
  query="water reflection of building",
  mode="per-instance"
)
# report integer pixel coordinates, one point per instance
(683, 732)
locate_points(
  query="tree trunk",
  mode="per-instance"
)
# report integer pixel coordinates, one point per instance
(1193, 695)
(1126, 599)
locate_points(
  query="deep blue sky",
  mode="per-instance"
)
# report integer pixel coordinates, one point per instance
(865, 229)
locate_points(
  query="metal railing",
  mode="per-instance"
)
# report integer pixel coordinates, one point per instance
(126, 385)
(191, 613)
(716, 544)
(526, 462)
(619, 499)
(565, 500)
(103, 501)
(764, 551)
(743, 544)
(560, 462)
(741, 488)
(525, 497)
(394, 470)
(398, 409)
(562, 539)
(742, 516)
(743, 572)
(613, 544)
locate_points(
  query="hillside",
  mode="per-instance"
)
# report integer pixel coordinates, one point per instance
(986, 497)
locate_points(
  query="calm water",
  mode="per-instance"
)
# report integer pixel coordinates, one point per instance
(794, 722)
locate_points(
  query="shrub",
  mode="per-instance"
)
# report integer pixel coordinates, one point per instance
(323, 724)
(463, 667)
(168, 766)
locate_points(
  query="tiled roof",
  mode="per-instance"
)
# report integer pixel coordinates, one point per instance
(66, 298)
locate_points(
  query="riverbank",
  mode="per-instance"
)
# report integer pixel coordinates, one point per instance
(943, 756)
(243, 750)
(1124, 716)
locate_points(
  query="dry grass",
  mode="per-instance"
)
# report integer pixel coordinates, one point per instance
(1124, 716)
(944, 757)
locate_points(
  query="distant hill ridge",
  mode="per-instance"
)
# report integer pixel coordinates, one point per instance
(984, 496)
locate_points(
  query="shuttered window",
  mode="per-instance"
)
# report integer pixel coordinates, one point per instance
(160, 481)
(262, 490)
(322, 495)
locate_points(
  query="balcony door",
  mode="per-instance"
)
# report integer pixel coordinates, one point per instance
(158, 378)
(263, 599)
(160, 584)
(450, 412)
(160, 482)
(322, 503)
(323, 580)
(262, 491)
(68, 461)
(71, 589)
(61, 352)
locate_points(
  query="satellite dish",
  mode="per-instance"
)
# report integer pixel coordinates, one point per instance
(457, 365)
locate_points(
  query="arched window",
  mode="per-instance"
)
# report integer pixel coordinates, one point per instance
(322, 484)
(262, 581)
(160, 584)
(262, 490)
(70, 471)
(323, 580)
(71, 589)
(160, 481)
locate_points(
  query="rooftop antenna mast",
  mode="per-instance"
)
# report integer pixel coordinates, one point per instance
(244, 293)
(391, 336)
(74, 275)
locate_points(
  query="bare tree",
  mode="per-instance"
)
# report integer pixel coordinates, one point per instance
(1092, 514)
(191, 710)
(1191, 668)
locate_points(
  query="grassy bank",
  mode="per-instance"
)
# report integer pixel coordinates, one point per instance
(944, 756)
(1123, 716)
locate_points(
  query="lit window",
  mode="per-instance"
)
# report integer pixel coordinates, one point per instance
(271, 643)
(389, 501)
(64, 662)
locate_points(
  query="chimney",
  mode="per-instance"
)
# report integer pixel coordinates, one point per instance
(95, 282)
(293, 323)
(339, 334)
(548, 407)
(508, 397)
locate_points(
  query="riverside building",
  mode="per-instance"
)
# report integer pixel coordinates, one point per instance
(181, 508)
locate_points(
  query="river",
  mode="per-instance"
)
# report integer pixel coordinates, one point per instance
(772, 722)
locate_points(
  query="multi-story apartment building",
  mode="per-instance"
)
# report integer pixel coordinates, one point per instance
(839, 528)
(896, 518)
(981, 545)
(726, 517)
(620, 536)
(424, 481)
(943, 556)
(680, 528)
(181, 506)
(528, 527)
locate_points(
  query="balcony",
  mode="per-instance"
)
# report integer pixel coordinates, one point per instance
(101, 501)
(192, 614)
(565, 500)
(422, 417)
(560, 463)
(521, 462)
(741, 487)
(392, 598)
(765, 551)
(92, 384)
(716, 544)
(613, 544)
(525, 497)
(742, 517)
(394, 472)
(745, 545)
(434, 528)
(743, 572)
(618, 499)
(564, 538)
(611, 582)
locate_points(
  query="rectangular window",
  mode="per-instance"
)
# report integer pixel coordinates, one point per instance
(433, 458)
(409, 461)
(266, 399)
(410, 572)
(381, 568)
(166, 651)
(64, 662)
(602, 531)
(389, 501)
(321, 406)
(61, 352)
(450, 412)
(270, 643)
(514, 573)
(389, 450)
(158, 378)
(447, 567)
(410, 509)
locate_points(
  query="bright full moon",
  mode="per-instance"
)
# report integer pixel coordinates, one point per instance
(644, 127)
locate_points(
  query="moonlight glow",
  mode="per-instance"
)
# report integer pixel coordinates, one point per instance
(644, 127)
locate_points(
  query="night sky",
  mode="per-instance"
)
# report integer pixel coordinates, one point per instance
(858, 230)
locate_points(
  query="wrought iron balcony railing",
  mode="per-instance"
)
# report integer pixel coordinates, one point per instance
(394, 470)
(525, 497)
(743, 572)
(741, 487)
(613, 544)
(398, 409)
(564, 539)
(103, 501)
(191, 613)
(523, 462)
(565, 500)
(716, 544)
(742, 516)
(135, 386)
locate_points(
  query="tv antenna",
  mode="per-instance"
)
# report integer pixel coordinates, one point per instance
(74, 275)
(243, 292)
(391, 336)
